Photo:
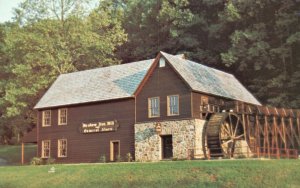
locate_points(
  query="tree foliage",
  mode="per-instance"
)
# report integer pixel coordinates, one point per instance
(43, 44)
(257, 40)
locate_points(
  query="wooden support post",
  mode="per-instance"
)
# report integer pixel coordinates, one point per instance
(267, 136)
(22, 153)
(284, 133)
(244, 126)
(257, 124)
(298, 125)
(276, 137)
(294, 136)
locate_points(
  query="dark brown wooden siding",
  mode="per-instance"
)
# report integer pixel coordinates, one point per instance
(163, 82)
(89, 147)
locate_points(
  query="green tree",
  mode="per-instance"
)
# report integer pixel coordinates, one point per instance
(264, 49)
(42, 44)
(153, 25)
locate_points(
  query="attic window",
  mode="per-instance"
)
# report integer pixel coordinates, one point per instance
(162, 62)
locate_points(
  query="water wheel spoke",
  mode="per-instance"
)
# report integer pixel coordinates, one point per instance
(228, 128)
(225, 129)
(236, 126)
(240, 136)
(227, 142)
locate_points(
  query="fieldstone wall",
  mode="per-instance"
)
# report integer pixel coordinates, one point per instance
(186, 134)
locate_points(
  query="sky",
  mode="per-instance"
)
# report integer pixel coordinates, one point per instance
(6, 9)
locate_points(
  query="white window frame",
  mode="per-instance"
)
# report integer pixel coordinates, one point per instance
(170, 106)
(43, 149)
(44, 124)
(151, 108)
(60, 148)
(60, 116)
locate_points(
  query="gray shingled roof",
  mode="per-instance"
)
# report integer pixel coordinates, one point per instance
(114, 82)
(121, 81)
(209, 80)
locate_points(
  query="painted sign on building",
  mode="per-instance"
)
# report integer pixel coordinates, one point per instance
(96, 127)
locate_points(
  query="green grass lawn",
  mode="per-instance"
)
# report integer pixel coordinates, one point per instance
(12, 154)
(229, 173)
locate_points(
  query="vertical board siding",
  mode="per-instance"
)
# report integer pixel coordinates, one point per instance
(89, 147)
(164, 81)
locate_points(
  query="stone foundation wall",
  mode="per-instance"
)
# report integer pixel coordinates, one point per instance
(186, 134)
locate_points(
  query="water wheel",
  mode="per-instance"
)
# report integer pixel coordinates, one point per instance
(222, 132)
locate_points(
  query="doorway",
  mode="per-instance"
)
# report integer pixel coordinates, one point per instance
(114, 150)
(167, 146)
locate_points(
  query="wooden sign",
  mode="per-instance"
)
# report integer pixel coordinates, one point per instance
(158, 128)
(97, 127)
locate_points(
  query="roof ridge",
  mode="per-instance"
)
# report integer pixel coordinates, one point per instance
(199, 64)
(107, 67)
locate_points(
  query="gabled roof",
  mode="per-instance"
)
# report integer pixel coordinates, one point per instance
(122, 81)
(114, 82)
(209, 80)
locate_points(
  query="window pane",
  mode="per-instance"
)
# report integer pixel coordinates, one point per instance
(62, 116)
(62, 148)
(154, 107)
(173, 107)
(47, 118)
(46, 148)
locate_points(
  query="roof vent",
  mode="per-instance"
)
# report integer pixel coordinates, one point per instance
(162, 62)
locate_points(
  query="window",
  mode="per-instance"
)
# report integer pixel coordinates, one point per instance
(173, 105)
(153, 107)
(62, 148)
(45, 148)
(62, 116)
(46, 118)
(162, 62)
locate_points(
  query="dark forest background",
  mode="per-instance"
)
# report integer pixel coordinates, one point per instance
(256, 40)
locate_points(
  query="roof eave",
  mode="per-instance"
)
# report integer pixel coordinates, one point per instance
(82, 103)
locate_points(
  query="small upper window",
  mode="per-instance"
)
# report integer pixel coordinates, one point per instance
(153, 107)
(62, 116)
(46, 118)
(162, 62)
(173, 105)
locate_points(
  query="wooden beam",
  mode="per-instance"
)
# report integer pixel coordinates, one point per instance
(294, 132)
(276, 137)
(283, 132)
(267, 134)
(22, 153)
(257, 124)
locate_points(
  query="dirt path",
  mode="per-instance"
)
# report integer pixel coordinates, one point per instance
(3, 162)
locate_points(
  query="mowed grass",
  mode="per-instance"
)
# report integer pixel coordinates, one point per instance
(12, 154)
(229, 173)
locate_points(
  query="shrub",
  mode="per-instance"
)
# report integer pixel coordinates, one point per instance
(36, 161)
(128, 157)
(50, 161)
(102, 159)
(119, 158)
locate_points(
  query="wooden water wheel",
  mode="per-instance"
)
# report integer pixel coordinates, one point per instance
(222, 132)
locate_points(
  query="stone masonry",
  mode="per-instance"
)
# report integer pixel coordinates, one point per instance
(186, 134)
